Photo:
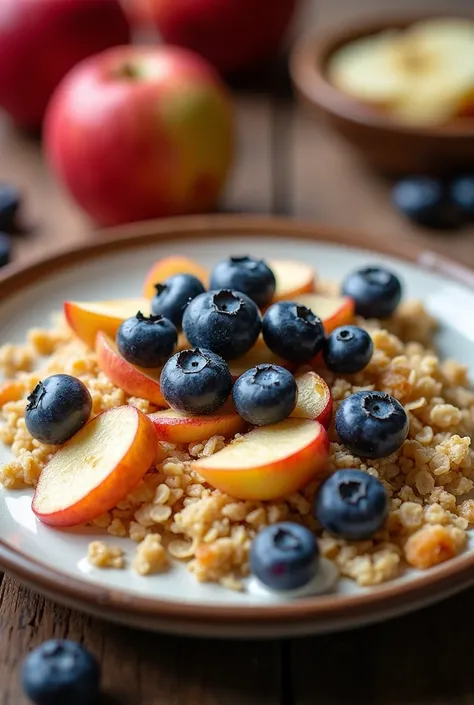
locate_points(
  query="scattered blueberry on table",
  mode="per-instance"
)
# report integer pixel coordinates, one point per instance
(61, 672)
(10, 199)
(249, 275)
(147, 341)
(5, 249)
(426, 201)
(351, 504)
(173, 295)
(376, 291)
(226, 322)
(371, 424)
(196, 381)
(348, 349)
(265, 394)
(57, 408)
(292, 331)
(284, 556)
(462, 194)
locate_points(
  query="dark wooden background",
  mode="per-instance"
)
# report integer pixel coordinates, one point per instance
(287, 164)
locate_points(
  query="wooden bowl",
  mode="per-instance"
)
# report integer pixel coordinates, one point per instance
(388, 145)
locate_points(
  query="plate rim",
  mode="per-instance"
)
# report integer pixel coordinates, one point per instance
(317, 610)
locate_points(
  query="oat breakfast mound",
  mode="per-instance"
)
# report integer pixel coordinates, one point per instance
(174, 514)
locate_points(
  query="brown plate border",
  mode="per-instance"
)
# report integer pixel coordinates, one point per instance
(302, 616)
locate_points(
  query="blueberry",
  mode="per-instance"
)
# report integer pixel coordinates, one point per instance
(226, 322)
(61, 672)
(292, 331)
(351, 505)
(348, 349)
(5, 249)
(246, 274)
(196, 381)
(426, 201)
(462, 194)
(173, 295)
(147, 342)
(284, 556)
(265, 394)
(371, 424)
(375, 290)
(9, 204)
(57, 408)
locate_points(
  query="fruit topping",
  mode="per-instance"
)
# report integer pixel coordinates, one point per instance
(60, 672)
(284, 556)
(292, 279)
(258, 355)
(426, 201)
(168, 267)
(333, 311)
(179, 427)
(462, 194)
(375, 290)
(269, 462)
(347, 350)
(249, 275)
(5, 249)
(96, 469)
(196, 381)
(226, 322)
(87, 318)
(265, 394)
(314, 399)
(293, 331)
(173, 295)
(9, 204)
(371, 424)
(351, 504)
(147, 341)
(57, 408)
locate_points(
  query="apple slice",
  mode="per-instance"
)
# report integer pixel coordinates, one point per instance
(87, 318)
(270, 462)
(258, 355)
(314, 399)
(136, 381)
(292, 278)
(334, 311)
(169, 266)
(96, 469)
(177, 427)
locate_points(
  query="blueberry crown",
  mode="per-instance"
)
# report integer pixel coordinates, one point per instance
(148, 319)
(226, 302)
(306, 315)
(35, 397)
(352, 491)
(192, 361)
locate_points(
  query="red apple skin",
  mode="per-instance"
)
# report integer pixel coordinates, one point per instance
(41, 40)
(177, 428)
(156, 141)
(232, 34)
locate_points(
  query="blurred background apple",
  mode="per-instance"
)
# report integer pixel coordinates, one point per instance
(40, 40)
(136, 133)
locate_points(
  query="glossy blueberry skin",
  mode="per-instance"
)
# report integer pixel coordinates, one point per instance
(9, 204)
(462, 194)
(226, 322)
(5, 249)
(265, 394)
(57, 408)
(375, 290)
(292, 332)
(351, 504)
(347, 350)
(251, 276)
(284, 556)
(425, 201)
(371, 424)
(173, 295)
(147, 342)
(61, 672)
(196, 381)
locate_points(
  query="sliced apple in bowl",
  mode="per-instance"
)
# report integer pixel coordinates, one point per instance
(292, 278)
(314, 399)
(96, 468)
(87, 318)
(258, 355)
(136, 381)
(168, 267)
(177, 427)
(270, 462)
(334, 311)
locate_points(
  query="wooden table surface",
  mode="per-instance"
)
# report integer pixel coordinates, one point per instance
(287, 165)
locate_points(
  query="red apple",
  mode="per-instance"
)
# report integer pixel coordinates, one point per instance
(231, 34)
(141, 132)
(41, 40)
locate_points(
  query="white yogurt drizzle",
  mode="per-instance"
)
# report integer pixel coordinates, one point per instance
(323, 582)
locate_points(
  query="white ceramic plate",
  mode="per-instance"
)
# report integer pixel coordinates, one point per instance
(53, 561)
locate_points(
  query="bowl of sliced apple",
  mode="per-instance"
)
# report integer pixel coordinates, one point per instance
(400, 89)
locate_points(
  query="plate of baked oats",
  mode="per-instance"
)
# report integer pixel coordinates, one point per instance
(238, 426)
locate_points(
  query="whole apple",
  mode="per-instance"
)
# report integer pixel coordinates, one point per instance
(41, 40)
(141, 132)
(232, 34)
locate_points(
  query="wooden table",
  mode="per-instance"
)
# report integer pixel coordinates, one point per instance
(287, 165)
